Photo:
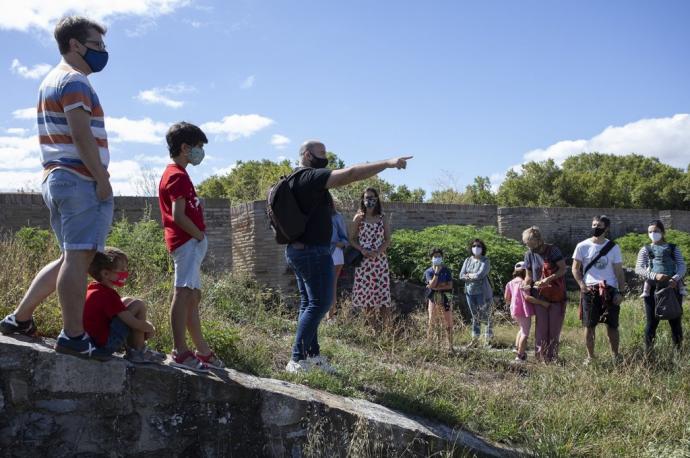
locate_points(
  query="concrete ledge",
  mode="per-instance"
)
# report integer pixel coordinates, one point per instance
(58, 405)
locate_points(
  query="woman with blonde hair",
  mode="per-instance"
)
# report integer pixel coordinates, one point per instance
(544, 286)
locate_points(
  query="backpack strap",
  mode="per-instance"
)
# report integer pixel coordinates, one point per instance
(603, 252)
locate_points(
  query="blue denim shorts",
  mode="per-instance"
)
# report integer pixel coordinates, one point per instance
(79, 220)
(117, 337)
(188, 258)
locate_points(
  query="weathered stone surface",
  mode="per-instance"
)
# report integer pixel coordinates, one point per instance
(18, 389)
(73, 407)
(68, 374)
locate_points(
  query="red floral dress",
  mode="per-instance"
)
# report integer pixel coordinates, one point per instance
(372, 281)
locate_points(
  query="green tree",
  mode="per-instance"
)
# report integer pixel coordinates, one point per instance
(404, 194)
(246, 182)
(534, 186)
(479, 192)
(597, 180)
(447, 196)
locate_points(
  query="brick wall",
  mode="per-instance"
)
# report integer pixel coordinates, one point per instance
(240, 237)
(568, 226)
(20, 210)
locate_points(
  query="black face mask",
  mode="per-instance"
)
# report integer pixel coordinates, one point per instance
(598, 231)
(318, 162)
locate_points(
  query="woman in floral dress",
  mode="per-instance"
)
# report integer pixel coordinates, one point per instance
(371, 236)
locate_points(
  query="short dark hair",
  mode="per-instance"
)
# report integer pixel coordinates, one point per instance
(435, 250)
(480, 242)
(659, 225)
(107, 260)
(604, 219)
(76, 27)
(183, 132)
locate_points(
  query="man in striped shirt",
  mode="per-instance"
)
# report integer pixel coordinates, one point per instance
(76, 185)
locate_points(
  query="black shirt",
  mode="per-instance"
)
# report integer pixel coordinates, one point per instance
(314, 199)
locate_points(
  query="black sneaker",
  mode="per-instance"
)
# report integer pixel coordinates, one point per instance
(10, 325)
(82, 348)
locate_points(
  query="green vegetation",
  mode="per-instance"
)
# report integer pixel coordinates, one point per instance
(591, 180)
(251, 180)
(409, 251)
(640, 407)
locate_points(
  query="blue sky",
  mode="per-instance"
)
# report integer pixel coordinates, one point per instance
(467, 87)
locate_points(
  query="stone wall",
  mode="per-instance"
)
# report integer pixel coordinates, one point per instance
(255, 250)
(568, 226)
(20, 210)
(240, 237)
(62, 406)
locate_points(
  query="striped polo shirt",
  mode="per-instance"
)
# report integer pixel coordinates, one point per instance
(64, 89)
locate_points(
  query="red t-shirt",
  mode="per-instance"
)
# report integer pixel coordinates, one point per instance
(101, 306)
(175, 183)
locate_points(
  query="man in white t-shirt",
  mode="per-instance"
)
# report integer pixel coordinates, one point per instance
(602, 263)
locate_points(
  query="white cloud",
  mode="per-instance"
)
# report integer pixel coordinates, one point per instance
(33, 73)
(135, 130)
(25, 113)
(42, 15)
(665, 138)
(224, 170)
(17, 131)
(248, 83)
(19, 153)
(279, 141)
(160, 160)
(237, 126)
(152, 96)
(13, 181)
(161, 95)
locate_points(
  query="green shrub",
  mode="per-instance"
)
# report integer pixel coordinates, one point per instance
(409, 251)
(37, 241)
(631, 243)
(145, 247)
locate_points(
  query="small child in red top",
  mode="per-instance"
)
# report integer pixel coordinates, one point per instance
(113, 322)
(183, 223)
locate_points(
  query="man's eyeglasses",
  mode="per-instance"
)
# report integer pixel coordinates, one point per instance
(99, 44)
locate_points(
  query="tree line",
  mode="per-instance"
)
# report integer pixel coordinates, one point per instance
(585, 180)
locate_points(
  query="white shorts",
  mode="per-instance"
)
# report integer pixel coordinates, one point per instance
(338, 257)
(187, 259)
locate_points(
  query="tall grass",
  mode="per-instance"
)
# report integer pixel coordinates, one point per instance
(640, 407)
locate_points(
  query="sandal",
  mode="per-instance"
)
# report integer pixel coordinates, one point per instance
(211, 360)
(187, 360)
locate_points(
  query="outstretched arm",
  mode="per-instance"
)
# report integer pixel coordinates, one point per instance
(342, 177)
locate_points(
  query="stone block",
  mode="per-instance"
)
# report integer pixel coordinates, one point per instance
(59, 373)
(18, 390)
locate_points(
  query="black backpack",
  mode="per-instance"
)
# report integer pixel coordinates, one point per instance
(285, 216)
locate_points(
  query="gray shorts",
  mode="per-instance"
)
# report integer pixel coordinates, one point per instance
(187, 259)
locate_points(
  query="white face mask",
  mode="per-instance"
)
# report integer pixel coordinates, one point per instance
(436, 260)
(476, 250)
(655, 236)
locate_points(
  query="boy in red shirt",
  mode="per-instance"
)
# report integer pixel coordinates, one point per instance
(183, 222)
(112, 321)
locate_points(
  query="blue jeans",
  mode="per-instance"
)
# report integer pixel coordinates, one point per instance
(314, 271)
(117, 337)
(79, 220)
(481, 311)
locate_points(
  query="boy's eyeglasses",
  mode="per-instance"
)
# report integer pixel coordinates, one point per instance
(99, 44)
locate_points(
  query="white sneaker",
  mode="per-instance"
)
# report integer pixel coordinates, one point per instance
(320, 362)
(298, 366)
